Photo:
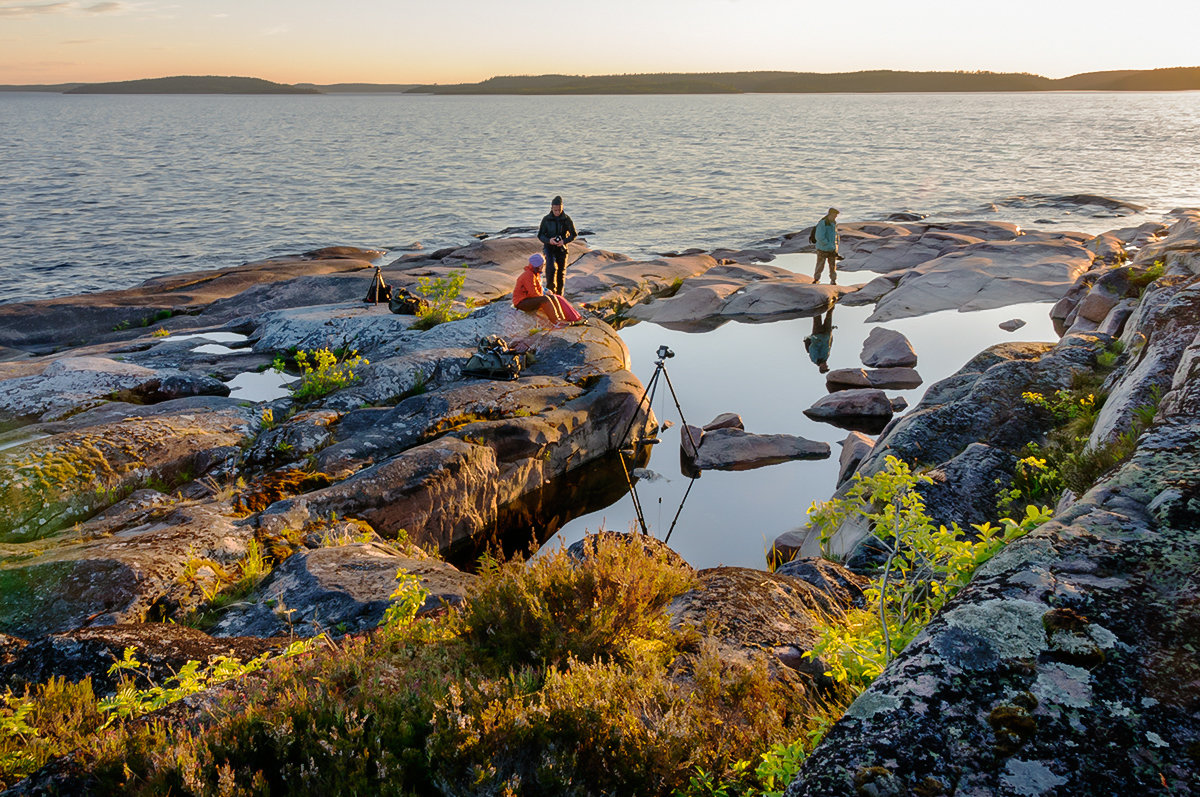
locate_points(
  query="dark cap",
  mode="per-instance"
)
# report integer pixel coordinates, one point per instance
(556, 201)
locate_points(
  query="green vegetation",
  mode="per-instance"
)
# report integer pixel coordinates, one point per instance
(925, 567)
(1142, 279)
(56, 718)
(322, 372)
(1065, 460)
(161, 315)
(554, 678)
(226, 584)
(130, 702)
(441, 293)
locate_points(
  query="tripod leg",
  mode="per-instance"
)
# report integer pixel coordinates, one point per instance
(633, 493)
(686, 493)
(688, 432)
(647, 393)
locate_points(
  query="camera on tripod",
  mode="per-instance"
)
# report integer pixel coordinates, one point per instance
(665, 353)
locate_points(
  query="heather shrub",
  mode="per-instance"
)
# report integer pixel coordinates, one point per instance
(553, 607)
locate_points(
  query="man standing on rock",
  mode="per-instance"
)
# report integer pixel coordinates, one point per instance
(825, 236)
(557, 230)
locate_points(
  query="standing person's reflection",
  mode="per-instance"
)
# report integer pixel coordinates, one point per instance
(820, 341)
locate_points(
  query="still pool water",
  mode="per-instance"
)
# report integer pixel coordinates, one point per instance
(762, 372)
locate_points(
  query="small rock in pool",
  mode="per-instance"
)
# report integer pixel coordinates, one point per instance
(1012, 325)
(647, 475)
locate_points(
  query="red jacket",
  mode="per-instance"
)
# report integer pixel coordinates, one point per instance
(529, 283)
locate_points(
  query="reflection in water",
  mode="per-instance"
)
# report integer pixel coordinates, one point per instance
(527, 523)
(260, 386)
(819, 342)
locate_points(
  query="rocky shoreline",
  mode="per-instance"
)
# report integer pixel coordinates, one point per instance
(136, 487)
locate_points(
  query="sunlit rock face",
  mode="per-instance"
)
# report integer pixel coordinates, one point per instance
(1062, 667)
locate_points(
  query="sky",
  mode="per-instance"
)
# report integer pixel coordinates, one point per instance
(453, 41)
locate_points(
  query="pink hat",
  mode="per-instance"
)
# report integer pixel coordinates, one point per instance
(536, 261)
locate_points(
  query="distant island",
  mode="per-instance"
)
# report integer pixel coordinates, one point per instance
(883, 80)
(188, 84)
(874, 81)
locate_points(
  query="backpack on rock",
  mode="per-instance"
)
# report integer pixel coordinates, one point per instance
(495, 359)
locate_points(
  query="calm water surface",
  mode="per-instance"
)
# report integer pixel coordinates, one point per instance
(762, 372)
(105, 191)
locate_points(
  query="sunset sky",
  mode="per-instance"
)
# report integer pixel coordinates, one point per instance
(404, 41)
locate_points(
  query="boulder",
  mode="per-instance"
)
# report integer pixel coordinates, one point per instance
(1096, 305)
(726, 420)
(197, 299)
(53, 482)
(1114, 323)
(754, 293)
(690, 440)
(986, 276)
(886, 348)
(844, 587)
(736, 449)
(449, 490)
(687, 307)
(743, 613)
(862, 409)
(651, 546)
(881, 378)
(339, 590)
(66, 384)
(120, 571)
(1070, 629)
(792, 298)
(786, 547)
(855, 447)
(966, 489)
(1108, 248)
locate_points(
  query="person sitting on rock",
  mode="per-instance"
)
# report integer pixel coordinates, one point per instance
(528, 294)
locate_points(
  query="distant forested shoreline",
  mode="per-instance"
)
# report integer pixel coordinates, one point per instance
(873, 81)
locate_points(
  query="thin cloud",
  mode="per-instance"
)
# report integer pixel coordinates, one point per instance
(9, 9)
(80, 41)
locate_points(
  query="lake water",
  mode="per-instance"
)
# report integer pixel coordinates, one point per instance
(105, 191)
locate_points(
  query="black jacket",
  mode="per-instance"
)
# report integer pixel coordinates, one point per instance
(554, 227)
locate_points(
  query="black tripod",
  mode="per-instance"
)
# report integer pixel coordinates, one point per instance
(660, 369)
